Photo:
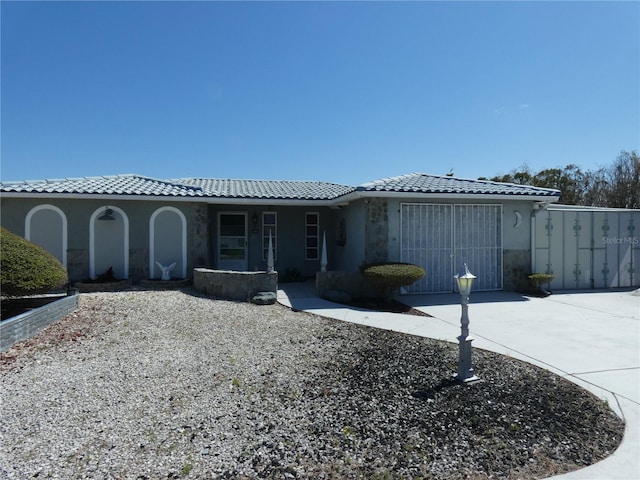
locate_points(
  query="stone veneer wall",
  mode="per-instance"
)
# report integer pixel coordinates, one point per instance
(232, 285)
(377, 231)
(516, 269)
(198, 236)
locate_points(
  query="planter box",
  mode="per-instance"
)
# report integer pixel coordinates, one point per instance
(231, 285)
(27, 324)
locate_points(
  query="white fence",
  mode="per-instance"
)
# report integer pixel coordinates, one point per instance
(586, 248)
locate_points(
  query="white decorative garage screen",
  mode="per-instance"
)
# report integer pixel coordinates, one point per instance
(588, 248)
(441, 238)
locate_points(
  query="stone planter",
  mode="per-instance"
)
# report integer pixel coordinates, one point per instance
(231, 285)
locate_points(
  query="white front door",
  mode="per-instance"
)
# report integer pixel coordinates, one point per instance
(232, 241)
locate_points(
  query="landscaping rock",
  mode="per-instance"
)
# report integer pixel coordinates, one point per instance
(264, 298)
(172, 384)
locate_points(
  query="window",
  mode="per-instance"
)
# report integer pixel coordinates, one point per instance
(312, 228)
(269, 226)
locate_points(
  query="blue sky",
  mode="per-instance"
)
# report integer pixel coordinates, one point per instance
(344, 92)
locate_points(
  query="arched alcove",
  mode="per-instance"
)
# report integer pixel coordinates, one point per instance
(46, 225)
(168, 241)
(109, 242)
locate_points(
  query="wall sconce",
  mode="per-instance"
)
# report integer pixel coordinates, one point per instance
(254, 222)
(107, 215)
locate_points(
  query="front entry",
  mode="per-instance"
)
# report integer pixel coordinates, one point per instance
(232, 241)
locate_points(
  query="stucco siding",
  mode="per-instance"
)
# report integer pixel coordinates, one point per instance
(79, 213)
(349, 253)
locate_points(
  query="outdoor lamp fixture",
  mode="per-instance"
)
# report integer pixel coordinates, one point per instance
(465, 368)
(254, 222)
(107, 215)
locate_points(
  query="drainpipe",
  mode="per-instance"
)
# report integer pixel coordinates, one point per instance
(537, 208)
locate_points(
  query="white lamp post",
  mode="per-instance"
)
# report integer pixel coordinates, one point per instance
(465, 367)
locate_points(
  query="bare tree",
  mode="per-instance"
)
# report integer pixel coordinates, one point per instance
(624, 181)
(616, 186)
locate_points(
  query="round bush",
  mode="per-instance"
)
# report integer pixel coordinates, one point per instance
(27, 268)
(391, 276)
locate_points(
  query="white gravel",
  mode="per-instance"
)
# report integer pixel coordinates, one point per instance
(169, 384)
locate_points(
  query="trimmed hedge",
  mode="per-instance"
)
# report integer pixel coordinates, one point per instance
(27, 268)
(390, 276)
(540, 279)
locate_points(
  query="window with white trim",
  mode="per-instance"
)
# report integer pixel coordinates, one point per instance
(312, 232)
(269, 226)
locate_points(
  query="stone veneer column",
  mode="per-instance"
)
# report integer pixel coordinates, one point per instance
(198, 237)
(377, 231)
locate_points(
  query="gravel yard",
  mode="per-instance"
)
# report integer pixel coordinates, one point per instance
(170, 384)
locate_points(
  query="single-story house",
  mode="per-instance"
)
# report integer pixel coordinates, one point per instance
(132, 223)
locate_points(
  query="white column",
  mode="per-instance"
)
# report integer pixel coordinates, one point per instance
(323, 258)
(270, 255)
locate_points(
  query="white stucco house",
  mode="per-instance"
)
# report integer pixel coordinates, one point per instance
(130, 222)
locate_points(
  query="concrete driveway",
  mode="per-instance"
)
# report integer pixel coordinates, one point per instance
(591, 338)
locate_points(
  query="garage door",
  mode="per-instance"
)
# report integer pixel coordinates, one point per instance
(441, 238)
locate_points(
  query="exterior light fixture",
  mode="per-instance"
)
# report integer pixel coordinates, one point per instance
(107, 215)
(465, 367)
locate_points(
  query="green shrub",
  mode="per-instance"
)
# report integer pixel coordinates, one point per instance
(540, 279)
(391, 276)
(27, 268)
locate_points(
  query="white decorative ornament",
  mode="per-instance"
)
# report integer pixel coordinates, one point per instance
(166, 270)
(518, 219)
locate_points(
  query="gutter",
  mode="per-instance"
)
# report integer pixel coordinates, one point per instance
(349, 197)
(339, 201)
(188, 199)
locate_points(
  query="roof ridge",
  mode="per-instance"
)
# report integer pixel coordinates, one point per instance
(172, 182)
(258, 180)
(383, 181)
(388, 179)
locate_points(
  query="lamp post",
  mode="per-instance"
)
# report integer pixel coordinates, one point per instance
(465, 367)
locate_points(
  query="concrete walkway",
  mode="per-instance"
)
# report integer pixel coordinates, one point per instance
(591, 338)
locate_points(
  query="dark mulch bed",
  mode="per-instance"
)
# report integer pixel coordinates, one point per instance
(393, 307)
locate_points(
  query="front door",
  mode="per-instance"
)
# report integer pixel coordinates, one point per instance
(232, 241)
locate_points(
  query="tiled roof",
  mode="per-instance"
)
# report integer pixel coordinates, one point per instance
(267, 189)
(422, 183)
(108, 185)
(136, 185)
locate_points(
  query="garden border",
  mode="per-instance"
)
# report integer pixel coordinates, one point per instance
(27, 324)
